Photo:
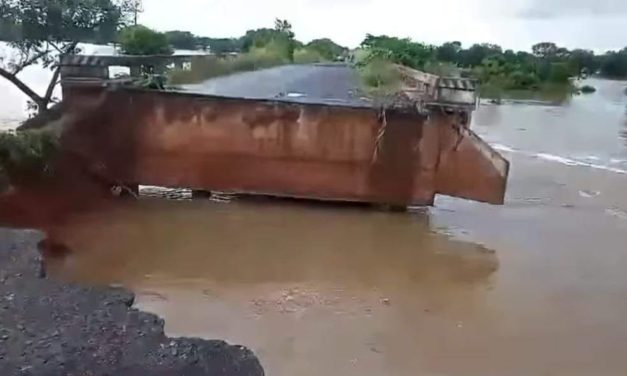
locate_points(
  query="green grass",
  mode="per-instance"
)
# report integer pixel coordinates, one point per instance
(307, 56)
(380, 77)
(442, 69)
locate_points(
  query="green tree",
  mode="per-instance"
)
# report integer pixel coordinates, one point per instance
(402, 51)
(281, 39)
(284, 27)
(182, 40)
(140, 40)
(257, 38)
(560, 73)
(107, 30)
(10, 30)
(614, 64)
(49, 28)
(510, 57)
(219, 45)
(524, 57)
(475, 55)
(133, 8)
(328, 49)
(583, 62)
(285, 37)
(545, 50)
(449, 52)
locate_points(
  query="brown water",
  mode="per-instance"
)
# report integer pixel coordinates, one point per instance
(536, 287)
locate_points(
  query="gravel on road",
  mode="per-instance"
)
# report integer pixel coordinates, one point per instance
(48, 327)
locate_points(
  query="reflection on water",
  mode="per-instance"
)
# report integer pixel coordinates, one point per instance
(313, 290)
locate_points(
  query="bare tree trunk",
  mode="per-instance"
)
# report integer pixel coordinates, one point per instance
(53, 83)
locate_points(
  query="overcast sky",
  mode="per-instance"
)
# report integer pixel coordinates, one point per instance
(517, 24)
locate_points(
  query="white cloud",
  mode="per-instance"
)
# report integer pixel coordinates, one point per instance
(514, 23)
(560, 8)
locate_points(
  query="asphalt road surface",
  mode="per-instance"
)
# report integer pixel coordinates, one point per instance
(335, 83)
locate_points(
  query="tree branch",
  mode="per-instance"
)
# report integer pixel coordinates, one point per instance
(70, 48)
(22, 86)
(55, 47)
(65, 49)
(52, 84)
(28, 62)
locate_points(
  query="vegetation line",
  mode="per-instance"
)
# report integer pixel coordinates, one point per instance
(41, 30)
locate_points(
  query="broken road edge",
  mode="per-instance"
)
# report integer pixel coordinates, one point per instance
(53, 327)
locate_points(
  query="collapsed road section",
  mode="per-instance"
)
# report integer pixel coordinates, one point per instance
(53, 328)
(306, 132)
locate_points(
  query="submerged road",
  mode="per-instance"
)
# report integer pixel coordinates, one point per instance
(335, 83)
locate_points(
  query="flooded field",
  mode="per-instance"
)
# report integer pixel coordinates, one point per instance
(535, 287)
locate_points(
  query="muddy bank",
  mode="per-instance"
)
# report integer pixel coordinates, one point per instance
(53, 328)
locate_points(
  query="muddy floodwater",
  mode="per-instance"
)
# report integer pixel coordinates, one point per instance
(535, 287)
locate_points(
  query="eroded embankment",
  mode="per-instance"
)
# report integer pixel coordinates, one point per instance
(52, 328)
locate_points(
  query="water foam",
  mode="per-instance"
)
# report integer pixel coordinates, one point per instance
(620, 214)
(557, 158)
(504, 148)
(611, 167)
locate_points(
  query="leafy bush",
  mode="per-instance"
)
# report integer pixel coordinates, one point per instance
(560, 73)
(522, 80)
(140, 40)
(442, 69)
(327, 49)
(275, 53)
(360, 56)
(182, 40)
(280, 39)
(401, 51)
(615, 64)
(308, 56)
(381, 75)
(27, 156)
